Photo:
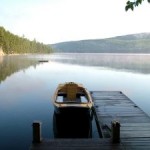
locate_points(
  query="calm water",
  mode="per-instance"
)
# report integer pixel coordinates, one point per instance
(26, 88)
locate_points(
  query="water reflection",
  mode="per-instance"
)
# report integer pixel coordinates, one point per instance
(139, 63)
(12, 64)
(26, 95)
(1, 59)
(72, 126)
(129, 62)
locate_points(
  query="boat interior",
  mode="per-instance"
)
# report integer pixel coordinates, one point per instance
(71, 93)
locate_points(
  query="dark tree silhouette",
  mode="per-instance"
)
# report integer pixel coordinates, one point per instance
(132, 4)
(11, 43)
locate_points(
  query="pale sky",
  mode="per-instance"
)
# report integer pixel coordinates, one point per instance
(52, 21)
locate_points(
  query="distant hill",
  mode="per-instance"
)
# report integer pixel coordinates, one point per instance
(134, 43)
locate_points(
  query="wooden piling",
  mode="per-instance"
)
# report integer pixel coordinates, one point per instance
(37, 132)
(115, 128)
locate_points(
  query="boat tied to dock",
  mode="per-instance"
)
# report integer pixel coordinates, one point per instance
(72, 97)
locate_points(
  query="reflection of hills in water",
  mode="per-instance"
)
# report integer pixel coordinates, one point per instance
(12, 64)
(72, 126)
(130, 62)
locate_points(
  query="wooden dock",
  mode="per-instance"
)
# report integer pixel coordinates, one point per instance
(109, 106)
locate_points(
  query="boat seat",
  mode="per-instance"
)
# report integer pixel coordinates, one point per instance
(72, 91)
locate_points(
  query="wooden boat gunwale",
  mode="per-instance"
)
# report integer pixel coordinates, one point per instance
(73, 103)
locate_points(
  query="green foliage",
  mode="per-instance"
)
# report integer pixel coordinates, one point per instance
(11, 43)
(131, 5)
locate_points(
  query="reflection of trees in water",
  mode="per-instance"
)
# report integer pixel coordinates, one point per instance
(135, 63)
(12, 64)
(131, 62)
(1, 59)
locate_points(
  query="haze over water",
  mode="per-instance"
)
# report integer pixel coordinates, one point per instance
(27, 86)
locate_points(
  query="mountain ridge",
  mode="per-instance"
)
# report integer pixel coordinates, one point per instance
(132, 43)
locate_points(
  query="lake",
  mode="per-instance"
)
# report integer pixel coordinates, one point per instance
(27, 87)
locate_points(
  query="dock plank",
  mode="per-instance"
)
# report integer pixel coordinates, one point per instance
(76, 144)
(114, 105)
(109, 106)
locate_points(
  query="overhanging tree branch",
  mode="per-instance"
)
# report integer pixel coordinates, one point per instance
(132, 4)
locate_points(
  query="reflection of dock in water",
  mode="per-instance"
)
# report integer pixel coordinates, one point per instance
(72, 126)
(131, 130)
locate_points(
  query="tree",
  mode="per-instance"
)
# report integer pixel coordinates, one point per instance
(131, 5)
(11, 43)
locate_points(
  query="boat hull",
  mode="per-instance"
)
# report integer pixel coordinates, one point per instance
(72, 123)
(73, 111)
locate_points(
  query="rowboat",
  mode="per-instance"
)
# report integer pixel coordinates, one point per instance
(72, 98)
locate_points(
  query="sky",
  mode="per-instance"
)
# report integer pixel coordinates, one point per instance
(53, 21)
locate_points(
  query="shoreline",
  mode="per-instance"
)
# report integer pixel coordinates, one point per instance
(1, 52)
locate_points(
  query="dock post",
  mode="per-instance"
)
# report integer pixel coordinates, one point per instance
(36, 132)
(115, 127)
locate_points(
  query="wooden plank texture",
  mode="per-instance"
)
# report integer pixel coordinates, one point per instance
(114, 105)
(109, 106)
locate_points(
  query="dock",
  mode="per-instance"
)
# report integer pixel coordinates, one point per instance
(109, 107)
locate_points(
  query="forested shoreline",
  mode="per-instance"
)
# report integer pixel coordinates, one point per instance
(14, 44)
